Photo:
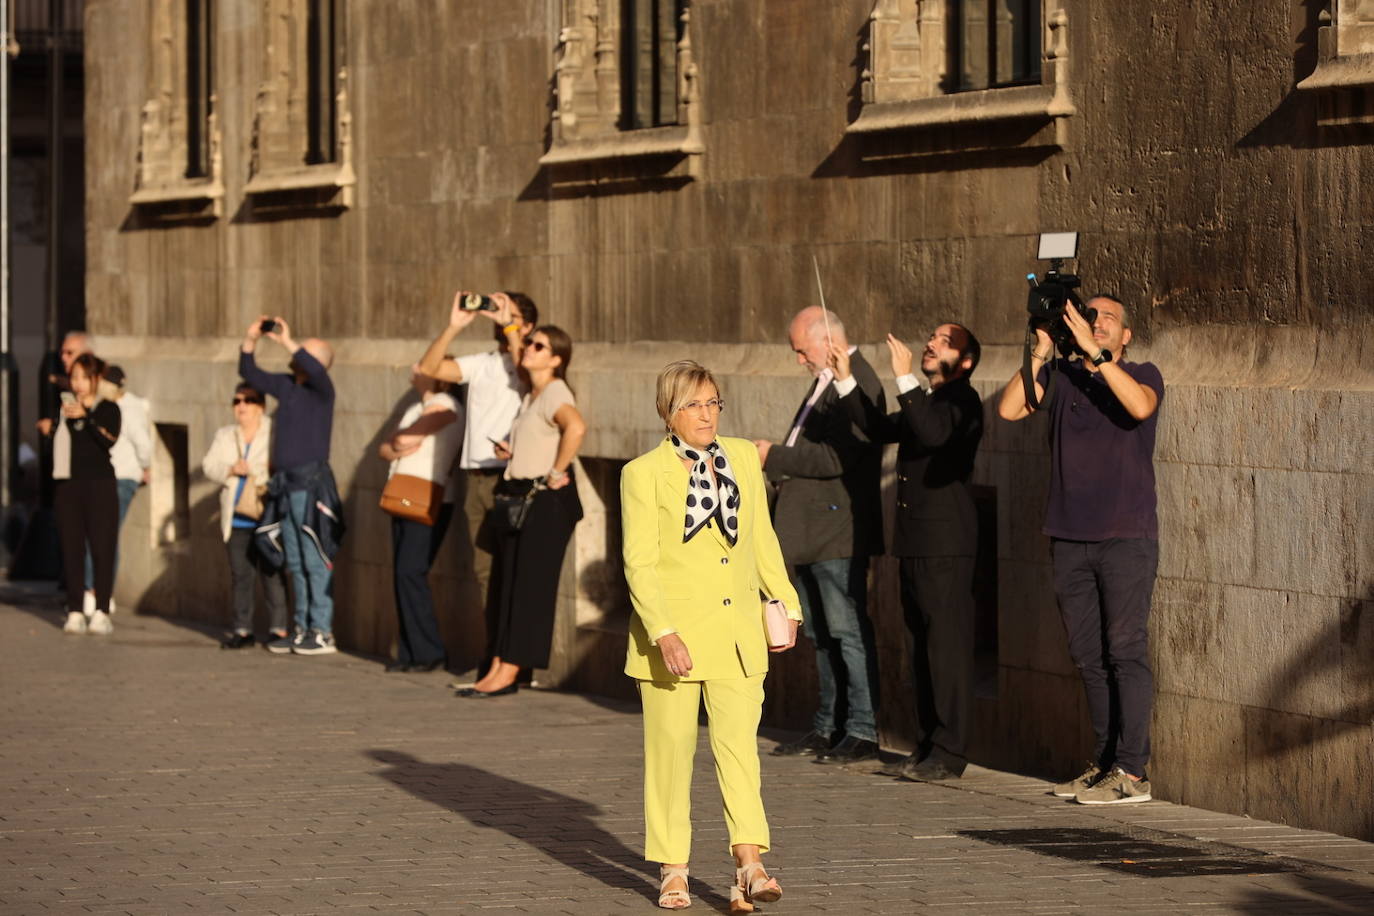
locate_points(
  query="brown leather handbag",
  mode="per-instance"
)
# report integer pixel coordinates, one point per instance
(413, 498)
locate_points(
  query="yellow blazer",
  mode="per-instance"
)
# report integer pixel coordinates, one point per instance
(704, 590)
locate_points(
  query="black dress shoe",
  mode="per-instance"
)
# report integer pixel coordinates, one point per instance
(808, 745)
(901, 766)
(932, 769)
(397, 667)
(472, 693)
(236, 641)
(850, 750)
(425, 666)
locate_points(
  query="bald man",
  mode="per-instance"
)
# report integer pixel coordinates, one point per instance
(829, 523)
(301, 479)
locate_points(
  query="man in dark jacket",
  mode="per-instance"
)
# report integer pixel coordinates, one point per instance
(935, 532)
(301, 478)
(829, 522)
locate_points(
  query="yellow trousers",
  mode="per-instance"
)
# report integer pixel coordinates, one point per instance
(733, 708)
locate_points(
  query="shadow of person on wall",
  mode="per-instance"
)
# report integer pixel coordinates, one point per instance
(559, 826)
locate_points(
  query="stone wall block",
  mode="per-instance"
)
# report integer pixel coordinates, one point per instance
(1279, 752)
(1308, 532)
(1190, 639)
(1192, 740)
(1207, 519)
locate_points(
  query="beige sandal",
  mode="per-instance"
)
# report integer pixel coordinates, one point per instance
(752, 885)
(676, 899)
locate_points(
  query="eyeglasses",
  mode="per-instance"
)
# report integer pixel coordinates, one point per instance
(243, 400)
(537, 346)
(714, 405)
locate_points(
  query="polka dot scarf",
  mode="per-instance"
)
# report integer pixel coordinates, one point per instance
(709, 495)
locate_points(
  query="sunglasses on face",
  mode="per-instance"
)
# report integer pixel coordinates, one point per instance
(537, 346)
(239, 399)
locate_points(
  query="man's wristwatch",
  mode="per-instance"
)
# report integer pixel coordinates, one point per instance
(1103, 356)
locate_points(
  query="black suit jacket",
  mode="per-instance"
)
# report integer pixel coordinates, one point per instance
(828, 501)
(937, 438)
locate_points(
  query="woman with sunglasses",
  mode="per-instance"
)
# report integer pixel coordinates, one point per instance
(530, 539)
(237, 460)
(86, 498)
(699, 547)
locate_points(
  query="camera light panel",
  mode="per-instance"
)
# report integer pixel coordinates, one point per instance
(1058, 245)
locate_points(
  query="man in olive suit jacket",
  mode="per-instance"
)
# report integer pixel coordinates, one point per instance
(829, 522)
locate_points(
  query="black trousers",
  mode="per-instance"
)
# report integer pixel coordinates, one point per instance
(246, 567)
(414, 547)
(937, 600)
(88, 515)
(523, 594)
(1104, 590)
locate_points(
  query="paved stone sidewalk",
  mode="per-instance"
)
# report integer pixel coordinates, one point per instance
(152, 773)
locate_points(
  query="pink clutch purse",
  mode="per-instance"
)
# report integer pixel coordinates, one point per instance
(775, 624)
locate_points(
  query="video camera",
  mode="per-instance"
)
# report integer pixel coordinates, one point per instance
(1047, 297)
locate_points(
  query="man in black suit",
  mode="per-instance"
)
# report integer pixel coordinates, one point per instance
(935, 532)
(829, 522)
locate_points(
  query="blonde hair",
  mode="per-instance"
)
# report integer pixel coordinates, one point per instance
(678, 384)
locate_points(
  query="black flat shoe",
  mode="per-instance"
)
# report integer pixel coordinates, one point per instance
(475, 694)
(808, 745)
(850, 750)
(236, 641)
(426, 666)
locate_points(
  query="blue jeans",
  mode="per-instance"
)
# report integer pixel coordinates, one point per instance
(834, 598)
(126, 490)
(312, 579)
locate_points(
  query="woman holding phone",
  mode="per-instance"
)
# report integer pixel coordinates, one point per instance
(86, 498)
(536, 510)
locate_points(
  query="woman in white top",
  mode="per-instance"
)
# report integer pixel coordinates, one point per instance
(237, 460)
(425, 445)
(526, 559)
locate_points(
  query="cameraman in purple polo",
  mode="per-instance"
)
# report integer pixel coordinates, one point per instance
(1104, 533)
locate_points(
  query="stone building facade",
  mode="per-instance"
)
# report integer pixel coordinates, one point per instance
(659, 176)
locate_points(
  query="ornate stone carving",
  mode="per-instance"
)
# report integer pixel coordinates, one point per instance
(586, 109)
(163, 131)
(1344, 77)
(280, 139)
(904, 74)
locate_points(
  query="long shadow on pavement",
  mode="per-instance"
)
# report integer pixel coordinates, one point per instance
(560, 826)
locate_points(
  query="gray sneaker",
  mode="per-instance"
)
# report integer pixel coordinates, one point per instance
(316, 643)
(1085, 780)
(1116, 788)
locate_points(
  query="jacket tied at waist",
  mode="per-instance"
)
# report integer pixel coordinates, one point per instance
(324, 521)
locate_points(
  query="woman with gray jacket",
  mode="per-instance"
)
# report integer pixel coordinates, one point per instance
(237, 460)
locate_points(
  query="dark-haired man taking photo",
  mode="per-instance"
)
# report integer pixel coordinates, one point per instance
(935, 533)
(1104, 534)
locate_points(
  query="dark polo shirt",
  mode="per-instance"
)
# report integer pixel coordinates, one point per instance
(1102, 473)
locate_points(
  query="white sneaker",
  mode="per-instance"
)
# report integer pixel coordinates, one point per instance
(112, 606)
(88, 604)
(76, 623)
(100, 624)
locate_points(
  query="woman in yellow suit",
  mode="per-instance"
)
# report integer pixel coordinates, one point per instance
(699, 548)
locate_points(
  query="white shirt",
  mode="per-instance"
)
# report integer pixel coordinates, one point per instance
(905, 383)
(434, 459)
(492, 403)
(133, 450)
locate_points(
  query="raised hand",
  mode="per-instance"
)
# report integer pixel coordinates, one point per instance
(839, 360)
(901, 356)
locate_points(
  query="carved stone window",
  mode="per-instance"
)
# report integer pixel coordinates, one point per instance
(934, 63)
(1344, 77)
(179, 158)
(625, 83)
(302, 149)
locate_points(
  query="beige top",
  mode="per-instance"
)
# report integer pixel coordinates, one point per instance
(534, 437)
